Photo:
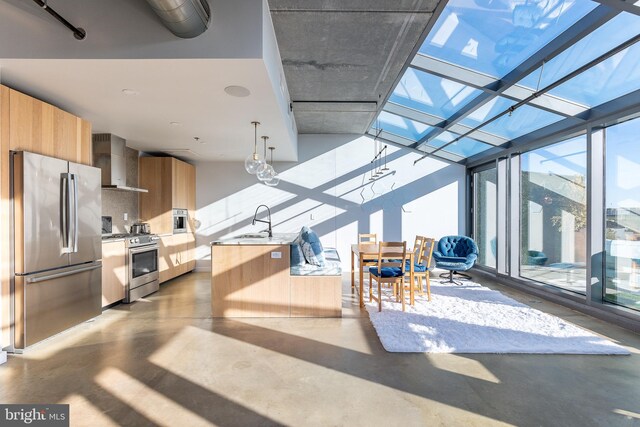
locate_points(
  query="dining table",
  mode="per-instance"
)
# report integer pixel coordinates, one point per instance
(368, 252)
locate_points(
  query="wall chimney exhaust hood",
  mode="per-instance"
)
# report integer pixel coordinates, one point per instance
(109, 156)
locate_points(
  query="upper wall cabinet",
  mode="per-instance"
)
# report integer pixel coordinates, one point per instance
(171, 185)
(41, 128)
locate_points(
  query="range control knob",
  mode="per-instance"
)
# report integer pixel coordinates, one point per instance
(137, 240)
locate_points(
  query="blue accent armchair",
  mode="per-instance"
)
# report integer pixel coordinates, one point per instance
(536, 257)
(456, 254)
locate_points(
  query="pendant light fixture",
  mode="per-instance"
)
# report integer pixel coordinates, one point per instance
(275, 179)
(379, 160)
(265, 172)
(253, 163)
(385, 168)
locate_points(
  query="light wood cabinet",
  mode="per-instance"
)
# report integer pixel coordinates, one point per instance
(166, 255)
(181, 188)
(114, 272)
(176, 255)
(41, 128)
(29, 124)
(171, 185)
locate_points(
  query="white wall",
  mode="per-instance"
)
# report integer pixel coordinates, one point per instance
(329, 190)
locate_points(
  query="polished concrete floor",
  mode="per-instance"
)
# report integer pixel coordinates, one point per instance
(165, 361)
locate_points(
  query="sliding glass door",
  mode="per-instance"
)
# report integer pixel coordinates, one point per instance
(553, 215)
(484, 227)
(622, 214)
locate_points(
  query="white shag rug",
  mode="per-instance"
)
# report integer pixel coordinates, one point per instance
(474, 319)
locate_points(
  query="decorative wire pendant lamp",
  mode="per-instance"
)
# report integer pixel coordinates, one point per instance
(385, 168)
(265, 172)
(253, 162)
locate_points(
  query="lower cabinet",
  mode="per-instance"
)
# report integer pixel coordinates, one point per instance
(114, 272)
(177, 255)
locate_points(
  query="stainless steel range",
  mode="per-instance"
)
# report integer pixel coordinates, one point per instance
(142, 265)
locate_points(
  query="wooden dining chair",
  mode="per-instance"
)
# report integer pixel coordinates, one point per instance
(418, 248)
(371, 238)
(389, 269)
(368, 238)
(422, 266)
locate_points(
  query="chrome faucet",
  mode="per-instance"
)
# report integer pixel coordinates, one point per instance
(262, 220)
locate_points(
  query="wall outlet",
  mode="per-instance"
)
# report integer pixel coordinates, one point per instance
(276, 255)
(126, 216)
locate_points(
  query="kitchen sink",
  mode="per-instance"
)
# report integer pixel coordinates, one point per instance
(252, 236)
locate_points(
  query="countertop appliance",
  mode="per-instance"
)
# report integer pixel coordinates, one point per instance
(142, 266)
(180, 217)
(140, 228)
(56, 281)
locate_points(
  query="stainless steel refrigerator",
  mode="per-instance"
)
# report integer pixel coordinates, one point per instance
(57, 246)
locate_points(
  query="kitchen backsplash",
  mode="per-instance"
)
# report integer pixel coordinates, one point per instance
(116, 203)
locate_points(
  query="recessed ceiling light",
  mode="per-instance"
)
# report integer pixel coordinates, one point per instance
(198, 140)
(237, 91)
(175, 123)
(130, 92)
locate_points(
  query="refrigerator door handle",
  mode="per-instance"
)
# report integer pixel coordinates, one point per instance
(74, 178)
(37, 279)
(63, 210)
(66, 211)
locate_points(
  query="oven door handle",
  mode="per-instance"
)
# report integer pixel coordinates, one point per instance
(143, 249)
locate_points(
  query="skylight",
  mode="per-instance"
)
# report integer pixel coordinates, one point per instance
(465, 89)
(494, 37)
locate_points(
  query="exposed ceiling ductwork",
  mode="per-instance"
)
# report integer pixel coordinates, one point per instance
(184, 18)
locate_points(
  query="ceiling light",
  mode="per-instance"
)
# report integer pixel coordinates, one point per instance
(237, 91)
(130, 92)
(175, 123)
(275, 179)
(253, 163)
(266, 172)
(198, 140)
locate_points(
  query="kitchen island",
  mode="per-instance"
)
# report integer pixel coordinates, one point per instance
(250, 277)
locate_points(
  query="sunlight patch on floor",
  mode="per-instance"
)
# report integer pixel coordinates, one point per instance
(462, 365)
(81, 334)
(239, 371)
(129, 390)
(84, 413)
(628, 414)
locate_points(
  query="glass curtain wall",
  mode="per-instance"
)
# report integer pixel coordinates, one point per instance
(622, 214)
(485, 187)
(553, 215)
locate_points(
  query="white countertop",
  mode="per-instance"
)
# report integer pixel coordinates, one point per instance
(258, 239)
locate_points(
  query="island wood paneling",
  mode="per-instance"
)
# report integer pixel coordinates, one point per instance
(316, 296)
(247, 282)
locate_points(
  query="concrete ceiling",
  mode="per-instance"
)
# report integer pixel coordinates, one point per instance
(341, 57)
